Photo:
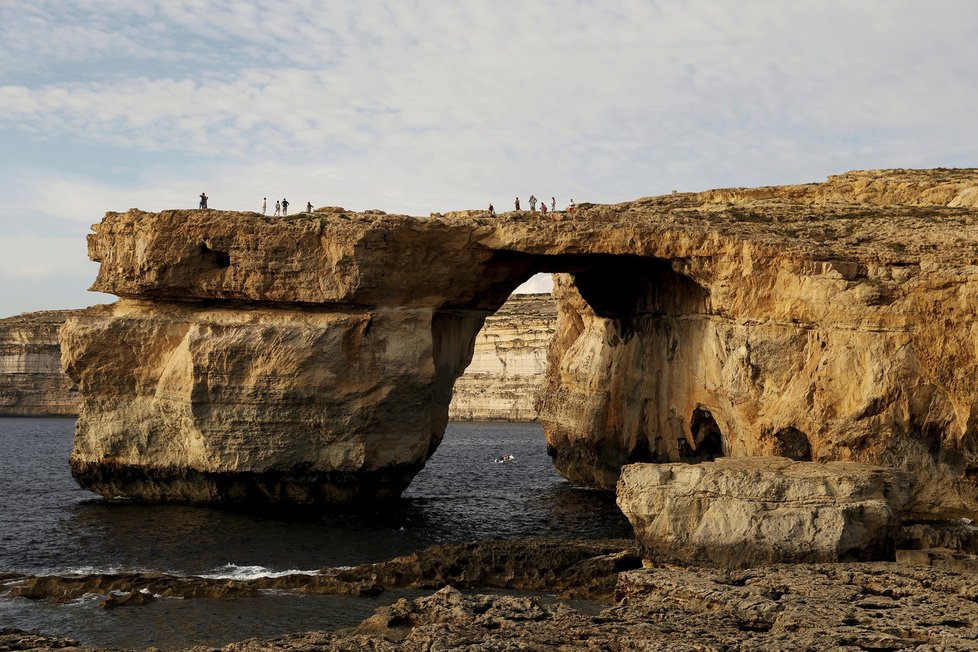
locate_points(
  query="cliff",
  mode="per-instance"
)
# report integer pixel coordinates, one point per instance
(312, 358)
(509, 362)
(31, 381)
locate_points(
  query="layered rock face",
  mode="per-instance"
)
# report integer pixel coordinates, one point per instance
(31, 381)
(740, 512)
(501, 384)
(312, 357)
(509, 363)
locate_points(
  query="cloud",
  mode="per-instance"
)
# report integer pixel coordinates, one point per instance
(429, 106)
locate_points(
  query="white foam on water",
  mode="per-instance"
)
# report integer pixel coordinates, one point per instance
(90, 570)
(235, 572)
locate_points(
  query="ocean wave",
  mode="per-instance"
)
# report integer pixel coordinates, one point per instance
(235, 572)
(90, 570)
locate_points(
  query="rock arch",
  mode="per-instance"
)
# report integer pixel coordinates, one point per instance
(311, 358)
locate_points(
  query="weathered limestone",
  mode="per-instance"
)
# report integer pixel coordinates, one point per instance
(573, 568)
(509, 363)
(762, 510)
(223, 404)
(501, 384)
(31, 381)
(848, 607)
(312, 357)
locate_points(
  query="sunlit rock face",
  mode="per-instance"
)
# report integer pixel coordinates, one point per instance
(31, 381)
(509, 363)
(312, 358)
(748, 511)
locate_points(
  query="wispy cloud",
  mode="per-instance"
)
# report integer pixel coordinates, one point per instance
(423, 106)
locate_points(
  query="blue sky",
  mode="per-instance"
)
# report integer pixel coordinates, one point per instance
(421, 106)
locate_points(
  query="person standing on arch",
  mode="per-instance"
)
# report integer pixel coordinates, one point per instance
(517, 203)
(308, 206)
(553, 205)
(285, 206)
(543, 208)
(533, 203)
(492, 211)
(264, 205)
(203, 200)
(278, 208)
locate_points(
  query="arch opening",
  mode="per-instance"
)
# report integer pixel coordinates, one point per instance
(627, 315)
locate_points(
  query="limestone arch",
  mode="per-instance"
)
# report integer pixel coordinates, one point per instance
(635, 311)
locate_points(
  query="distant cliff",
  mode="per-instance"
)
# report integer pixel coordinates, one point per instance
(509, 363)
(31, 381)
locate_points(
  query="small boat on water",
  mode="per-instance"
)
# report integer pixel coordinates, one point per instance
(504, 459)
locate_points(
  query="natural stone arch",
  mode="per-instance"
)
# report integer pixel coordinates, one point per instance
(637, 303)
(311, 359)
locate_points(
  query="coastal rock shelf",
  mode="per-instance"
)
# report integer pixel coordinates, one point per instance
(872, 606)
(31, 381)
(312, 358)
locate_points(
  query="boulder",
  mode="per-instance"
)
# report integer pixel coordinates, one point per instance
(748, 511)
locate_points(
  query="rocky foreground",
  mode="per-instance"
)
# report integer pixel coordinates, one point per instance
(869, 606)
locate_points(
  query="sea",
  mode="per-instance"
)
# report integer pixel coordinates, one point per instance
(49, 525)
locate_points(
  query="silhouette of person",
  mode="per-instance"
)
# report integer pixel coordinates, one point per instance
(285, 206)
(308, 206)
(264, 205)
(517, 203)
(492, 211)
(278, 208)
(533, 203)
(203, 200)
(553, 205)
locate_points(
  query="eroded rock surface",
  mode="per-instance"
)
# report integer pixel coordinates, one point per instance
(312, 358)
(742, 512)
(799, 607)
(878, 606)
(569, 567)
(31, 381)
(509, 363)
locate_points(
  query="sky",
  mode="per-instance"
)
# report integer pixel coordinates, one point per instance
(418, 106)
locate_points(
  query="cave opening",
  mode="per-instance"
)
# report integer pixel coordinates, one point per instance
(707, 438)
(214, 257)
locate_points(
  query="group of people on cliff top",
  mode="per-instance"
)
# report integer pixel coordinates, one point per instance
(533, 206)
(281, 207)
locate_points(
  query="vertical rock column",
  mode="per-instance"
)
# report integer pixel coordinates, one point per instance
(184, 403)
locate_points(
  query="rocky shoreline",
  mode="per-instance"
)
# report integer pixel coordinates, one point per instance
(908, 604)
